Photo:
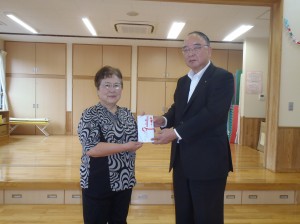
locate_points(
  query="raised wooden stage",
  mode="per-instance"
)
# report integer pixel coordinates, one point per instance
(35, 167)
(31, 166)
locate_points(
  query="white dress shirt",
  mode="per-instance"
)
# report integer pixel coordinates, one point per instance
(195, 78)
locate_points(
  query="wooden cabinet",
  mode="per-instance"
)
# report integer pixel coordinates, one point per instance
(154, 197)
(4, 124)
(51, 103)
(89, 97)
(35, 58)
(82, 99)
(87, 60)
(20, 57)
(72, 197)
(158, 71)
(118, 57)
(151, 97)
(170, 89)
(233, 197)
(268, 197)
(36, 84)
(155, 97)
(219, 58)
(34, 197)
(50, 59)
(44, 98)
(176, 66)
(231, 60)
(152, 62)
(161, 62)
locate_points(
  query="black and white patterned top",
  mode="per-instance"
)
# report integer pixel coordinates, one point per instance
(111, 173)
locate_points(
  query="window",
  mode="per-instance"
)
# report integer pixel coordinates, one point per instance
(3, 97)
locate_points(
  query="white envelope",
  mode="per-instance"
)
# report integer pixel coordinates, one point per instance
(145, 128)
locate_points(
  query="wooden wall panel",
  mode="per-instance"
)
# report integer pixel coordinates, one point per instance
(288, 152)
(249, 131)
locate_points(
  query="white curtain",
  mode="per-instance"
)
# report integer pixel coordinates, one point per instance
(2, 79)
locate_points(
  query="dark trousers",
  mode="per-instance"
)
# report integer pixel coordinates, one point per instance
(197, 201)
(112, 208)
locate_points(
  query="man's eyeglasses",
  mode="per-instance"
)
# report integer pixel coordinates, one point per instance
(196, 49)
(116, 86)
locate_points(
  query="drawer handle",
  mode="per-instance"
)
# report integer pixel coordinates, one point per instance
(252, 196)
(231, 196)
(16, 196)
(142, 196)
(51, 195)
(76, 196)
(172, 196)
(284, 196)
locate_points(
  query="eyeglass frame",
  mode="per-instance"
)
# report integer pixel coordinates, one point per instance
(197, 48)
(108, 85)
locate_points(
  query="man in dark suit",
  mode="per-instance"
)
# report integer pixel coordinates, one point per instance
(196, 124)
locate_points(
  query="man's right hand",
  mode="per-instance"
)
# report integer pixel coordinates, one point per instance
(158, 121)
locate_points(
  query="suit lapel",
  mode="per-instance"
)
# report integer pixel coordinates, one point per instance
(184, 93)
(201, 85)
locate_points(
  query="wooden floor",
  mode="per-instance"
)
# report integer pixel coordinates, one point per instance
(38, 162)
(53, 163)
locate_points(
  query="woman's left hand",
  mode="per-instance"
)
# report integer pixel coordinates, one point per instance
(133, 146)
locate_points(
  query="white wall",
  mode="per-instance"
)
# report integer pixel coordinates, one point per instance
(255, 59)
(290, 68)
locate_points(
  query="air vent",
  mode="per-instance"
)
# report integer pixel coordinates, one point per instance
(134, 28)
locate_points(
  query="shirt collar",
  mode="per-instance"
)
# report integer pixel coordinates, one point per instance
(198, 75)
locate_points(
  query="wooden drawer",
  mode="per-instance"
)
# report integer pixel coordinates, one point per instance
(152, 197)
(233, 197)
(268, 197)
(34, 197)
(1, 197)
(3, 129)
(73, 197)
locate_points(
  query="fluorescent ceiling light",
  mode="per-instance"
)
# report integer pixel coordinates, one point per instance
(175, 30)
(89, 25)
(20, 22)
(238, 32)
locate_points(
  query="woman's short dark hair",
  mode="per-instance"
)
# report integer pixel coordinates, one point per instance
(203, 35)
(107, 72)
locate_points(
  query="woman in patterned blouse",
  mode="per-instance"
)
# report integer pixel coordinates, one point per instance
(108, 135)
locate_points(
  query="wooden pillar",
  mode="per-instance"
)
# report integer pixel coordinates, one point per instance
(272, 110)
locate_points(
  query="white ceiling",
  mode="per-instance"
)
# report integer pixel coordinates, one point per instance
(60, 20)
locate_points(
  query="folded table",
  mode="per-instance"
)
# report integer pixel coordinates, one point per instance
(40, 123)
